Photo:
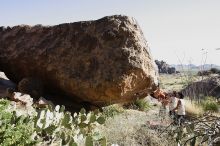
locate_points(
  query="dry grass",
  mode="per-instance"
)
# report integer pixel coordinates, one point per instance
(193, 109)
(130, 128)
(120, 128)
(171, 82)
(134, 128)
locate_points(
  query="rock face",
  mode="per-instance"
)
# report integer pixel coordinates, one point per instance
(102, 61)
(163, 67)
(207, 87)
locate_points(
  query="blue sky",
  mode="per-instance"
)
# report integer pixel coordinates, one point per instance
(178, 31)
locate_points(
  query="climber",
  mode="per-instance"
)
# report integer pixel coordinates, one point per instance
(158, 94)
(162, 97)
(181, 112)
(172, 104)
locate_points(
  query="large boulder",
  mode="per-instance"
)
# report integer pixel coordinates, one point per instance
(102, 61)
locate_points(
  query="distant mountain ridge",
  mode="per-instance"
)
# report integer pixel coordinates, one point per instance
(193, 66)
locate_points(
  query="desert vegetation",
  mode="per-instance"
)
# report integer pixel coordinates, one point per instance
(109, 73)
(137, 123)
(202, 106)
(49, 127)
(116, 86)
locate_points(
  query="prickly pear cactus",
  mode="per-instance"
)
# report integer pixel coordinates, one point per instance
(50, 126)
(58, 125)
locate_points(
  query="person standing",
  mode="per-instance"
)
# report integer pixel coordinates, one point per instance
(181, 111)
(163, 98)
(163, 112)
(172, 104)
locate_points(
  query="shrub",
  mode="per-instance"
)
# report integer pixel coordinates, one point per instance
(215, 70)
(112, 110)
(209, 104)
(15, 130)
(58, 126)
(204, 73)
(49, 127)
(209, 98)
(140, 104)
(202, 130)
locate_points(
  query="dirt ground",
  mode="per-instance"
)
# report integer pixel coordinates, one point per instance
(137, 128)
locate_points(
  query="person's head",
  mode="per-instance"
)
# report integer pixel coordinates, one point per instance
(180, 95)
(158, 85)
(174, 93)
(167, 95)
